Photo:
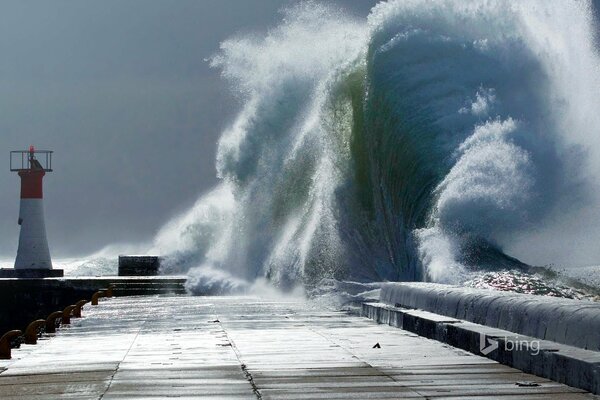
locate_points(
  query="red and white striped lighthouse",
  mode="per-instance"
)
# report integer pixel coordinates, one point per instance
(33, 252)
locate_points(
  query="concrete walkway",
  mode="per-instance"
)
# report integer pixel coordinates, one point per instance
(247, 348)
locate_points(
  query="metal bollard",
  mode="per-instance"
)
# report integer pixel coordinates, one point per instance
(5, 343)
(109, 291)
(78, 306)
(51, 321)
(31, 333)
(66, 315)
(96, 296)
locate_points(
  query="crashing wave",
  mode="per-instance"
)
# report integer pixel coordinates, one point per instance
(434, 139)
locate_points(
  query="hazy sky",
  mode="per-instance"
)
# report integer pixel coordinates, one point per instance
(121, 91)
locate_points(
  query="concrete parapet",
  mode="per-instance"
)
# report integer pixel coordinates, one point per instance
(571, 322)
(559, 362)
(31, 273)
(24, 300)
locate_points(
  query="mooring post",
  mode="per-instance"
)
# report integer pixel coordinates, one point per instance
(96, 296)
(78, 306)
(66, 315)
(51, 321)
(5, 343)
(31, 333)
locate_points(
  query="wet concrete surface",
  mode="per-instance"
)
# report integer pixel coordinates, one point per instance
(150, 347)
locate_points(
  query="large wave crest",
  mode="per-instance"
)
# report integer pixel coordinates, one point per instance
(435, 138)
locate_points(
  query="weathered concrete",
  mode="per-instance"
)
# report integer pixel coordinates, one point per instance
(25, 300)
(248, 348)
(139, 265)
(31, 273)
(571, 322)
(470, 318)
(558, 362)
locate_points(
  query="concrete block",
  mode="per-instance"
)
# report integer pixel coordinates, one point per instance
(139, 265)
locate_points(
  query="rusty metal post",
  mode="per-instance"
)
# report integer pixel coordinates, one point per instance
(109, 291)
(31, 333)
(51, 321)
(5, 343)
(96, 296)
(78, 306)
(66, 315)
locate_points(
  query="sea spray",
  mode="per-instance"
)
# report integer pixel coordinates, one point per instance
(434, 139)
(283, 157)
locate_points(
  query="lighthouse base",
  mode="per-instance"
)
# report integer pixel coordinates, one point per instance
(31, 273)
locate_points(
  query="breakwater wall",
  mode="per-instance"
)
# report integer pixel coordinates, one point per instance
(567, 321)
(550, 337)
(24, 300)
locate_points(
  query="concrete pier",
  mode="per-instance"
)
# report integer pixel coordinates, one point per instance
(145, 347)
(550, 337)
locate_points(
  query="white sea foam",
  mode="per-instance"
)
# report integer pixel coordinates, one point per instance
(477, 122)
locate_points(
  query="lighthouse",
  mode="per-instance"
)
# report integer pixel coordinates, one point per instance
(33, 255)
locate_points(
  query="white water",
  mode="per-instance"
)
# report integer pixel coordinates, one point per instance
(493, 168)
(502, 122)
(268, 211)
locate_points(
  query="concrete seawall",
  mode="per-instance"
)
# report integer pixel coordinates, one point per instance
(24, 300)
(572, 322)
(553, 338)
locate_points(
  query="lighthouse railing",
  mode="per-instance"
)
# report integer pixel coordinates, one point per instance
(20, 160)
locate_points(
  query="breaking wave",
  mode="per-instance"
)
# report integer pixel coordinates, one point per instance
(434, 139)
